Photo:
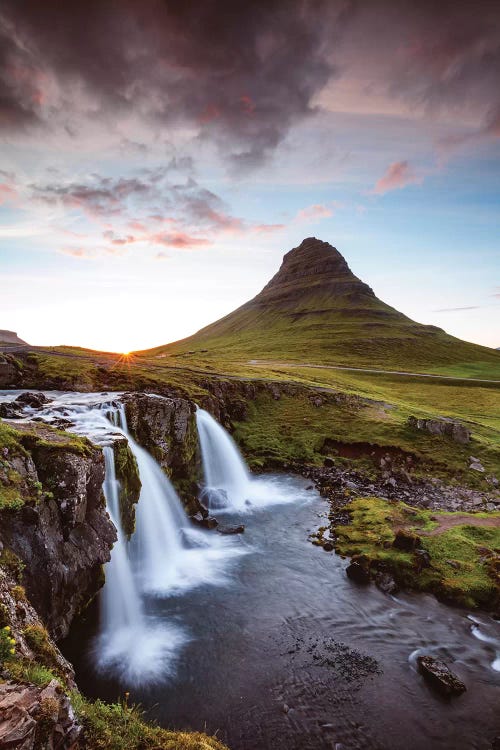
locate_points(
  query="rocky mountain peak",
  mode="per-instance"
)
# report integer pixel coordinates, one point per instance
(313, 267)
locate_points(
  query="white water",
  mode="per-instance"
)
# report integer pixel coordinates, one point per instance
(166, 554)
(223, 466)
(139, 651)
(228, 482)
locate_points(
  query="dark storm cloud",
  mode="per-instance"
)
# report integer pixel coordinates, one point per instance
(239, 74)
(238, 71)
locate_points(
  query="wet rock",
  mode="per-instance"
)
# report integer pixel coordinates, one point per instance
(36, 400)
(406, 540)
(207, 523)
(358, 572)
(438, 674)
(328, 462)
(444, 426)
(9, 410)
(231, 529)
(214, 499)
(386, 583)
(310, 487)
(328, 547)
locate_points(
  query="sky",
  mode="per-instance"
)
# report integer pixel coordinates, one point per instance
(157, 159)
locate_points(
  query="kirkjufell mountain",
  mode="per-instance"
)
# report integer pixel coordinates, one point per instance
(316, 310)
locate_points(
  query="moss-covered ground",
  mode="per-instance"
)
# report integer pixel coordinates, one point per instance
(464, 564)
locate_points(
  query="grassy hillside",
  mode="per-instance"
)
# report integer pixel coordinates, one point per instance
(315, 310)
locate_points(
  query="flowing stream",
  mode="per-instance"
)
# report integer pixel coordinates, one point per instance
(262, 638)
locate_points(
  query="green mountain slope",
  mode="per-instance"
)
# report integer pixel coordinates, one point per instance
(316, 310)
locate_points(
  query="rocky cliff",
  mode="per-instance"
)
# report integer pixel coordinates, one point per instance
(166, 427)
(55, 533)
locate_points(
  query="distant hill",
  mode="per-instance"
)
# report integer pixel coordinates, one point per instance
(10, 337)
(315, 310)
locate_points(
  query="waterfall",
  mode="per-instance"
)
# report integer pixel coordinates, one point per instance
(168, 553)
(227, 480)
(122, 613)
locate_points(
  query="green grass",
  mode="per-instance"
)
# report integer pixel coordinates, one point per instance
(464, 558)
(292, 429)
(117, 726)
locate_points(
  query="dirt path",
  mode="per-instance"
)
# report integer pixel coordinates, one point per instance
(271, 363)
(447, 522)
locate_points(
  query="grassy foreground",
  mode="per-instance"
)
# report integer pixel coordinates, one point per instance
(463, 564)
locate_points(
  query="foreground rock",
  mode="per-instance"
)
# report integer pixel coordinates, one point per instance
(440, 676)
(33, 717)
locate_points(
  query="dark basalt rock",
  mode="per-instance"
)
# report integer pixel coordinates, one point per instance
(207, 523)
(328, 547)
(64, 536)
(36, 400)
(231, 529)
(9, 410)
(438, 674)
(358, 573)
(386, 583)
(406, 541)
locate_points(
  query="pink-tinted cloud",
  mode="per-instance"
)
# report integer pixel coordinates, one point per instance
(399, 174)
(77, 252)
(315, 212)
(180, 240)
(7, 193)
(268, 228)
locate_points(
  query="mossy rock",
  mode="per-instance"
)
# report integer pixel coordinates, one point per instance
(127, 474)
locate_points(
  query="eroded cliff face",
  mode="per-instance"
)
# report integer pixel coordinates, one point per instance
(166, 427)
(54, 530)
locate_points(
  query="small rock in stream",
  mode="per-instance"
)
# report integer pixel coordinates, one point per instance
(231, 529)
(438, 674)
(356, 572)
(206, 523)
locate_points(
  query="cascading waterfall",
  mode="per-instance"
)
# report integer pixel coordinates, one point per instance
(165, 555)
(229, 486)
(168, 553)
(227, 480)
(122, 616)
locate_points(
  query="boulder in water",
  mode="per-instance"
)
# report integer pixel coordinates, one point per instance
(358, 572)
(207, 523)
(438, 674)
(386, 583)
(231, 529)
(214, 499)
(10, 411)
(36, 400)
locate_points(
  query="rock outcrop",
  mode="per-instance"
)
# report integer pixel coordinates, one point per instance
(444, 426)
(166, 427)
(58, 524)
(33, 717)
